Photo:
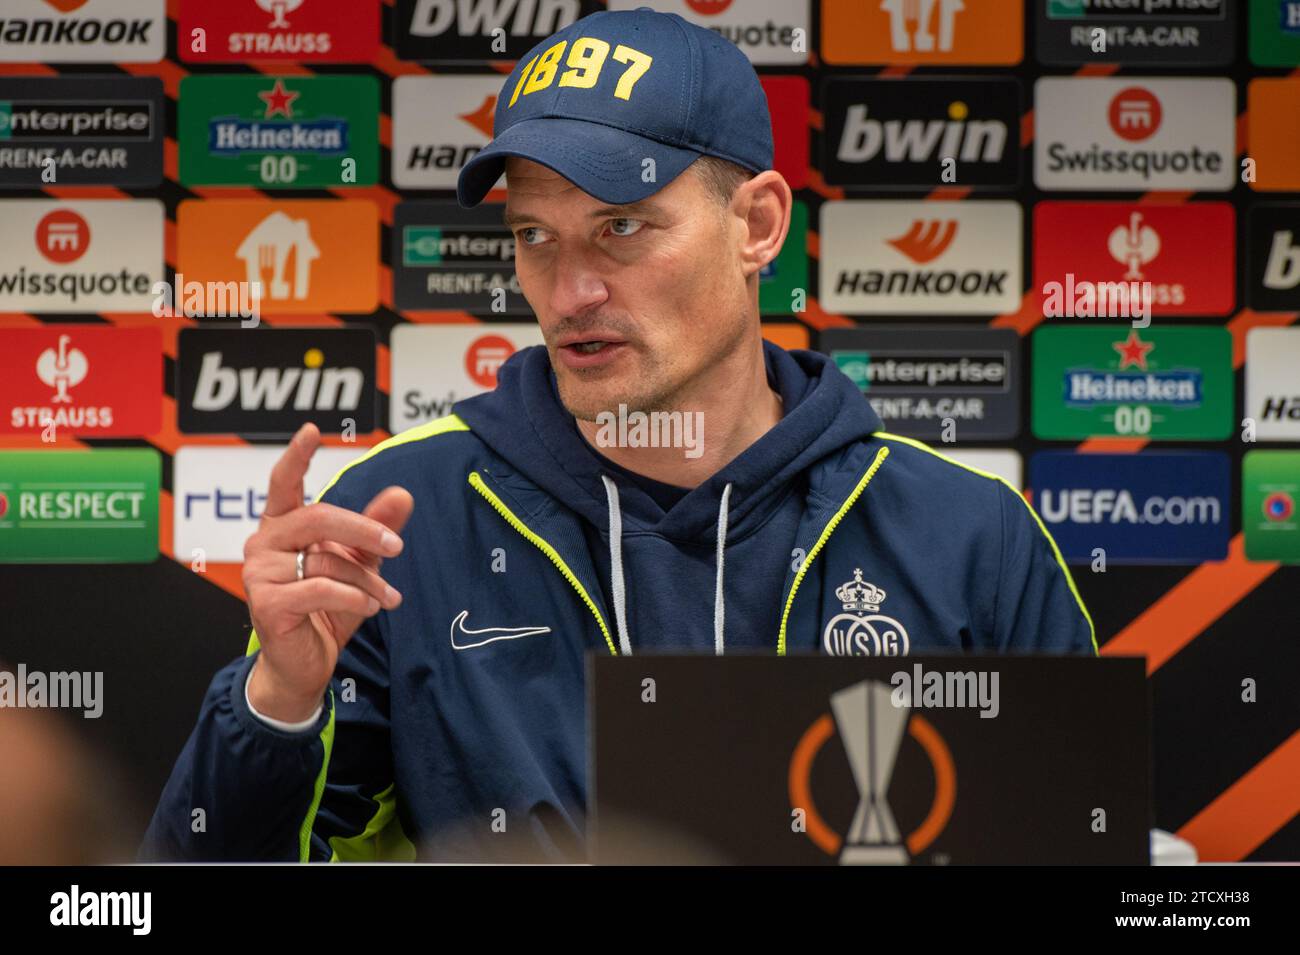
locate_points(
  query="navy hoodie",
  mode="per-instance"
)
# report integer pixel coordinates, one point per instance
(463, 710)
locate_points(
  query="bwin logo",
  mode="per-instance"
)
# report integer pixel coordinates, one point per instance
(311, 388)
(921, 140)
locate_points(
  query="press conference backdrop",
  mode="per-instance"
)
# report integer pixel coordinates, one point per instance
(968, 178)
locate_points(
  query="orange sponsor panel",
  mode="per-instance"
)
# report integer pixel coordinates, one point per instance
(786, 334)
(982, 32)
(1273, 133)
(310, 255)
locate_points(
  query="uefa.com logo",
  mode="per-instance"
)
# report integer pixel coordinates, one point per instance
(871, 724)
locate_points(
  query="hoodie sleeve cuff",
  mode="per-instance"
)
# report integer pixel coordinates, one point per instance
(299, 728)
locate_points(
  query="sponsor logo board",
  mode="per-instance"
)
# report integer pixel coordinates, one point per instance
(1154, 32)
(434, 366)
(88, 255)
(101, 131)
(271, 381)
(1273, 383)
(896, 256)
(925, 380)
(922, 32)
(909, 132)
(765, 30)
(1187, 251)
(1158, 507)
(309, 255)
(310, 31)
(1135, 133)
(220, 493)
(74, 507)
(90, 31)
(279, 132)
(93, 380)
(1270, 505)
(1158, 383)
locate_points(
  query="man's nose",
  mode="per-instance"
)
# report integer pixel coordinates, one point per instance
(577, 284)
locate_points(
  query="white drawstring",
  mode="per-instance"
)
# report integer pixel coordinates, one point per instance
(719, 602)
(616, 565)
(616, 569)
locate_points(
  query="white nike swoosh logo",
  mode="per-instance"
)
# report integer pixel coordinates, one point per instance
(487, 634)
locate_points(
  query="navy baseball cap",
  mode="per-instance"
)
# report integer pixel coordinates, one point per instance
(623, 86)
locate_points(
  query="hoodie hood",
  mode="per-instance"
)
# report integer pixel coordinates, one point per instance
(525, 423)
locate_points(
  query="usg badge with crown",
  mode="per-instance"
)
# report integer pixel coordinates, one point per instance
(860, 630)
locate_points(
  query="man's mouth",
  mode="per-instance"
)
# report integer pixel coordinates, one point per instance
(589, 352)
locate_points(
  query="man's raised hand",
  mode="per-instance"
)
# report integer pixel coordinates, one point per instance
(303, 625)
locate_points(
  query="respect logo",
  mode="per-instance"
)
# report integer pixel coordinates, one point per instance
(69, 507)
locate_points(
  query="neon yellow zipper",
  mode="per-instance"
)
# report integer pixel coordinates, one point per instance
(499, 506)
(821, 542)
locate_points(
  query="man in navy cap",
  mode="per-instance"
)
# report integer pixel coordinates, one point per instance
(656, 478)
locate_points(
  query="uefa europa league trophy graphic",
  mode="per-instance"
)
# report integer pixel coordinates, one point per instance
(871, 728)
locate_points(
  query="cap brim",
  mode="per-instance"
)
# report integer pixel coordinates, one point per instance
(602, 161)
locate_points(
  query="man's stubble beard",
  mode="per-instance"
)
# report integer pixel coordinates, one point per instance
(659, 386)
(651, 393)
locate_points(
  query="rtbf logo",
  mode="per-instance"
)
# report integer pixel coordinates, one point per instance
(62, 236)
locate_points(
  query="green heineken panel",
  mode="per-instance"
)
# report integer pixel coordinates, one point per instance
(279, 132)
(73, 507)
(1164, 384)
(1270, 517)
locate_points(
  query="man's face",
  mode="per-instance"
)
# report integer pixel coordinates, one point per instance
(636, 303)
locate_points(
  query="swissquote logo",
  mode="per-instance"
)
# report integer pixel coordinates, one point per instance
(83, 31)
(81, 255)
(764, 30)
(434, 366)
(861, 630)
(1138, 133)
(873, 722)
(890, 257)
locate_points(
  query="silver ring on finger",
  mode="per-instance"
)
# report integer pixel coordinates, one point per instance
(302, 561)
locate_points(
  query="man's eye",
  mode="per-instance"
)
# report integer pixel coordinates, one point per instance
(635, 225)
(524, 235)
